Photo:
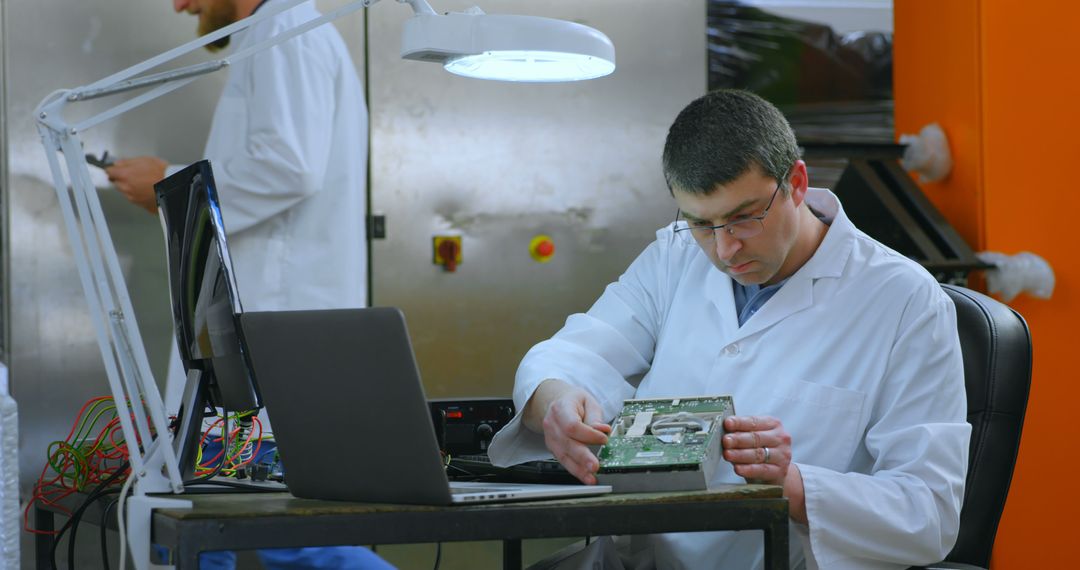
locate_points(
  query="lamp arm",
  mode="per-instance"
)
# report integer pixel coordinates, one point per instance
(418, 6)
(185, 49)
(50, 111)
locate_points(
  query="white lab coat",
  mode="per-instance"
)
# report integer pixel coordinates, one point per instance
(288, 146)
(858, 356)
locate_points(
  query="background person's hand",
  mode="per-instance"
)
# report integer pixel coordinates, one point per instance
(135, 179)
(745, 443)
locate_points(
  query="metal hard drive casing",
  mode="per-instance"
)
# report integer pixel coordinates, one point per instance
(665, 444)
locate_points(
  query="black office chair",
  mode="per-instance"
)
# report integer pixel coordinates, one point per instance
(996, 345)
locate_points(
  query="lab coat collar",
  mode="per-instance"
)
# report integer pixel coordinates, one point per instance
(798, 293)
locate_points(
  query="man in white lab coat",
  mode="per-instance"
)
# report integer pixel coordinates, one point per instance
(842, 353)
(288, 146)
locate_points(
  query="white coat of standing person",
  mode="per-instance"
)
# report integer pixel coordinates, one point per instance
(288, 147)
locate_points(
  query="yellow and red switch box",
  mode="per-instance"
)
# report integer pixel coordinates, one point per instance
(447, 252)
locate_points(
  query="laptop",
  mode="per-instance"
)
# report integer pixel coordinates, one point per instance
(350, 417)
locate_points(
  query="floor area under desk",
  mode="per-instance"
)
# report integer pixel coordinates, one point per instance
(467, 555)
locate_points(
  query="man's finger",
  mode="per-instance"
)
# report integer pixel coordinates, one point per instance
(750, 423)
(746, 456)
(578, 461)
(582, 467)
(601, 427)
(751, 440)
(587, 435)
(759, 472)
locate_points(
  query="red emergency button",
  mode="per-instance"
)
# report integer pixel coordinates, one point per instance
(542, 248)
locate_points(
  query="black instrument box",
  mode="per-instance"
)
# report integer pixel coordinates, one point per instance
(466, 426)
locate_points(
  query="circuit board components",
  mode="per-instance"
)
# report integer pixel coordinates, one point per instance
(670, 444)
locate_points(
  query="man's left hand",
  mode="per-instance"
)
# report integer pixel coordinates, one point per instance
(135, 179)
(758, 447)
(745, 445)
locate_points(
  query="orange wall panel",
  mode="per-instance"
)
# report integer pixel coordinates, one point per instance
(934, 61)
(1031, 94)
(1000, 78)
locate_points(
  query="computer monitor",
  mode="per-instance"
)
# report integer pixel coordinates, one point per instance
(205, 305)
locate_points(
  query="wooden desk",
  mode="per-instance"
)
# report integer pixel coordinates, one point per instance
(245, 521)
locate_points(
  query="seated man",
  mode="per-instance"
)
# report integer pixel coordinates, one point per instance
(843, 353)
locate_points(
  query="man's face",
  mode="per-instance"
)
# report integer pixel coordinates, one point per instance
(762, 259)
(213, 15)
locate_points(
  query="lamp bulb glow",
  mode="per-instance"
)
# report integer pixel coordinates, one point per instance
(529, 66)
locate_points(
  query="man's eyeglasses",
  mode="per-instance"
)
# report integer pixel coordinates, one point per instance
(743, 228)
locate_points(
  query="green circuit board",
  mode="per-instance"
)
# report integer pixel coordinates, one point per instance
(665, 434)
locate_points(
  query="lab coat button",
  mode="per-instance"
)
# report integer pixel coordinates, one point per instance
(731, 349)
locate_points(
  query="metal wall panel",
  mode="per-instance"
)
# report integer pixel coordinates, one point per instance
(498, 163)
(50, 44)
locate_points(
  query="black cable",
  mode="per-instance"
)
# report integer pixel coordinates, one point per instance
(94, 495)
(77, 519)
(104, 534)
(438, 554)
(235, 485)
(461, 470)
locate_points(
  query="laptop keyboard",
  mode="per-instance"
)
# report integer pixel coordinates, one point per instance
(540, 471)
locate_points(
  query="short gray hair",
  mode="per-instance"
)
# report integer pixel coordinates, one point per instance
(723, 135)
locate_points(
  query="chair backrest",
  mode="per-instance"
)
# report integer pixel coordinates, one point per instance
(996, 345)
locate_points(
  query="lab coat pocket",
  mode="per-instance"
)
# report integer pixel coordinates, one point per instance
(825, 422)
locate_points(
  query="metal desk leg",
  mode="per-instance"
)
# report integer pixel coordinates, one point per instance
(186, 556)
(43, 543)
(776, 546)
(511, 555)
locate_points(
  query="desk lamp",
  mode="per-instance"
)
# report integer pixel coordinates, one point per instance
(471, 44)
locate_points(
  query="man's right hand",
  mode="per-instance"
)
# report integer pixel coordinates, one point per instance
(571, 420)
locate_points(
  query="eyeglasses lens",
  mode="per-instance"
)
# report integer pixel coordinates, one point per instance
(744, 229)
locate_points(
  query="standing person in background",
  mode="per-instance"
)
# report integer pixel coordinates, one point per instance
(288, 145)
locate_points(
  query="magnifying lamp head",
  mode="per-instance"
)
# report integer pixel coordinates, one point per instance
(508, 47)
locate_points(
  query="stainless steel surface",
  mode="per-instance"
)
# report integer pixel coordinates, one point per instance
(52, 44)
(5, 250)
(498, 163)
